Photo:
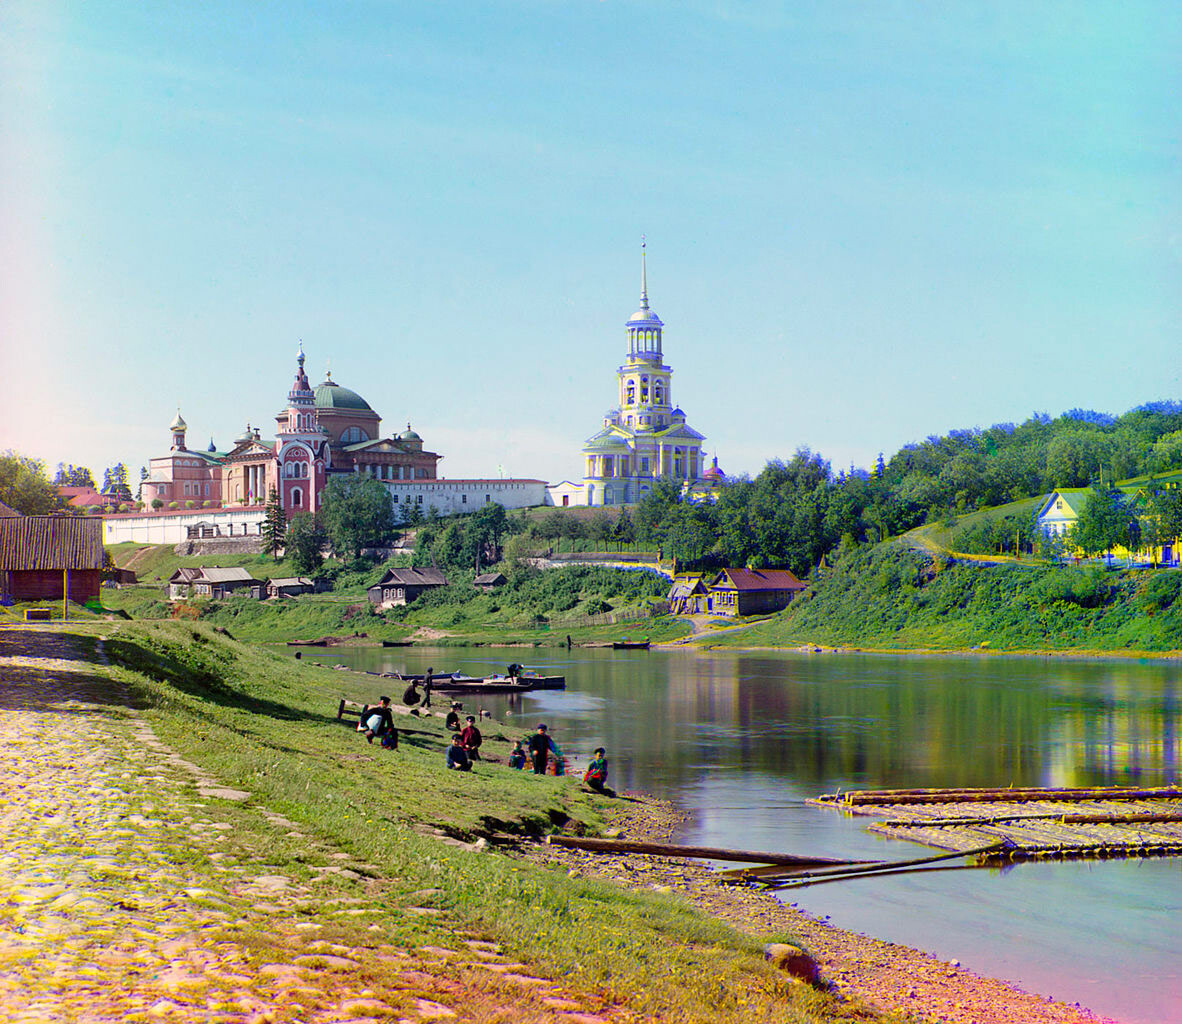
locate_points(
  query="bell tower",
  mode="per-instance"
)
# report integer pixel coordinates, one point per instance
(301, 448)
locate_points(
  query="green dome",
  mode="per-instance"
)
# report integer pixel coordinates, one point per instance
(330, 395)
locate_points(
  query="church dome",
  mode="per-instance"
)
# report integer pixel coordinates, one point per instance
(330, 395)
(409, 435)
(178, 423)
(645, 316)
(714, 473)
(247, 434)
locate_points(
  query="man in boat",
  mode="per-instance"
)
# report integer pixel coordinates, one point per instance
(457, 756)
(379, 722)
(540, 745)
(452, 721)
(472, 739)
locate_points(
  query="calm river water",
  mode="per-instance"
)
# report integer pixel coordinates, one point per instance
(740, 741)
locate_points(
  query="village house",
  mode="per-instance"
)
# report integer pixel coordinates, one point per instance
(752, 591)
(290, 586)
(489, 581)
(688, 594)
(212, 582)
(401, 586)
(42, 556)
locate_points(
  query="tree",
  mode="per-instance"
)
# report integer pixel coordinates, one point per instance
(1103, 522)
(115, 482)
(25, 486)
(357, 513)
(139, 494)
(305, 542)
(274, 525)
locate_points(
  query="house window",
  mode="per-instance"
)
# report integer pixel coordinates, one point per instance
(644, 465)
(418, 499)
(463, 499)
(395, 498)
(487, 498)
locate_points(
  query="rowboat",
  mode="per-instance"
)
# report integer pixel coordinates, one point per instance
(630, 645)
(457, 683)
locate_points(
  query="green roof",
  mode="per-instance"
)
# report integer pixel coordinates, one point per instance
(330, 395)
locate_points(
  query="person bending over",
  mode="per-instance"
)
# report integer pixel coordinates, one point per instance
(379, 722)
(457, 756)
(517, 755)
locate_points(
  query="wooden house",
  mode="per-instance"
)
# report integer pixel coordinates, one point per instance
(688, 594)
(39, 554)
(290, 586)
(401, 586)
(752, 591)
(488, 581)
(212, 582)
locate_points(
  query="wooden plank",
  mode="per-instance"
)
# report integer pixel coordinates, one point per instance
(703, 852)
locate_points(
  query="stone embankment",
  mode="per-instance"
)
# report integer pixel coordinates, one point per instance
(129, 890)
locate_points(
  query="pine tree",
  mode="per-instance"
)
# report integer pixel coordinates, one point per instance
(274, 526)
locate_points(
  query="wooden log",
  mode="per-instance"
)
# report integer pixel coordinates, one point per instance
(1104, 819)
(702, 852)
(803, 878)
(930, 796)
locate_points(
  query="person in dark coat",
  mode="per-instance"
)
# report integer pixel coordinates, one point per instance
(427, 688)
(452, 721)
(412, 696)
(540, 746)
(457, 756)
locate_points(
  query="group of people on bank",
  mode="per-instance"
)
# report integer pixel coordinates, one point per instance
(538, 750)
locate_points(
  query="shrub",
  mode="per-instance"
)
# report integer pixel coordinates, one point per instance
(190, 504)
(1087, 588)
(157, 504)
(173, 504)
(597, 606)
(1160, 591)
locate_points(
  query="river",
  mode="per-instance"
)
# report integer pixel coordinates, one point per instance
(740, 740)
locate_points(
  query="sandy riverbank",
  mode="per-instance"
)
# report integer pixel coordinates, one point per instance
(889, 976)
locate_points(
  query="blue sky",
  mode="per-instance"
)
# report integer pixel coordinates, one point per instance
(867, 222)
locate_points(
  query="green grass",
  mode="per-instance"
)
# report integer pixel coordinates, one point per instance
(267, 725)
(940, 537)
(889, 597)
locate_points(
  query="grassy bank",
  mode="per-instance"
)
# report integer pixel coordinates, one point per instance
(266, 725)
(887, 596)
(533, 609)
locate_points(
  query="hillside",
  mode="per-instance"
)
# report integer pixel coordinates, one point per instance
(890, 597)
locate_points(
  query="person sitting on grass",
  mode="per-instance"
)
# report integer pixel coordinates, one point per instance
(596, 774)
(452, 721)
(472, 739)
(457, 756)
(517, 755)
(412, 696)
(379, 721)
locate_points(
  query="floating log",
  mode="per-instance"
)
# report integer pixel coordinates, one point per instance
(806, 877)
(702, 852)
(951, 796)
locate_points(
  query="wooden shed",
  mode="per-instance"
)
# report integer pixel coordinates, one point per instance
(39, 553)
(487, 581)
(290, 586)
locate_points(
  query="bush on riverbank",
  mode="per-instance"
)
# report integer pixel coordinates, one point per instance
(891, 597)
(266, 724)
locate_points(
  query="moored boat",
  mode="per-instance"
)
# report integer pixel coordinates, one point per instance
(630, 645)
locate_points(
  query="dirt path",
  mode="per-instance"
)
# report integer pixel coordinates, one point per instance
(128, 891)
(884, 974)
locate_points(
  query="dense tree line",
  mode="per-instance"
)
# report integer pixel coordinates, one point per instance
(796, 511)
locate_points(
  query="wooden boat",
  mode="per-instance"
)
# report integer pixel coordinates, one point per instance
(396, 643)
(630, 645)
(324, 641)
(458, 683)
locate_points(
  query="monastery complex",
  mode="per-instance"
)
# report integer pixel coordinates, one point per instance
(330, 430)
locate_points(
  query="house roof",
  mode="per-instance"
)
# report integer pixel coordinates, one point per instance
(414, 577)
(231, 575)
(759, 579)
(1073, 498)
(490, 577)
(7, 512)
(290, 581)
(185, 574)
(31, 543)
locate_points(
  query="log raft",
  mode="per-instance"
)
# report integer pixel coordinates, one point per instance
(1034, 823)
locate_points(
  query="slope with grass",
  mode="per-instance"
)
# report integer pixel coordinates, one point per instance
(891, 597)
(266, 725)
